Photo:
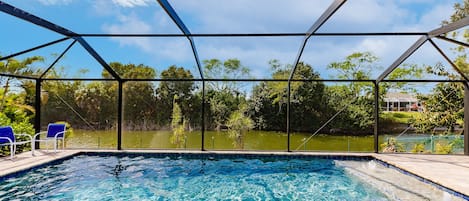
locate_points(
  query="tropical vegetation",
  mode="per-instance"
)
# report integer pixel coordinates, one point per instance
(232, 105)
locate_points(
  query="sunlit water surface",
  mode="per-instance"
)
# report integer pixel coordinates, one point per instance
(148, 178)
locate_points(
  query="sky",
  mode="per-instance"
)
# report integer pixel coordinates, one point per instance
(224, 16)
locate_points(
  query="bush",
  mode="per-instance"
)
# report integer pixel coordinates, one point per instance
(419, 148)
(392, 146)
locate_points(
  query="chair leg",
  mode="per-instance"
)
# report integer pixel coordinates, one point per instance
(33, 146)
(12, 151)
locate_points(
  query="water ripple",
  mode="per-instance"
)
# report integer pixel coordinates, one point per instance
(145, 178)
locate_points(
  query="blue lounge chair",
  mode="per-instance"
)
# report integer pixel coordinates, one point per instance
(54, 133)
(8, 138)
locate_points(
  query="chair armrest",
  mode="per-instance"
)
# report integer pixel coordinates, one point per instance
(22, 134)
(35, 135)
(63, 132)
(7, 139)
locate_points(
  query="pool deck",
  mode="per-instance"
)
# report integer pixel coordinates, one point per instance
(451, 171)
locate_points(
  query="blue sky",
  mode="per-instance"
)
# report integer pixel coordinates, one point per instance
(215, 16)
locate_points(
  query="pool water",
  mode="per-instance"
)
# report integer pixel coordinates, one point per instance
(86, 177)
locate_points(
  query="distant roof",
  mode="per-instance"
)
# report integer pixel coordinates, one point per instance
(399, 97)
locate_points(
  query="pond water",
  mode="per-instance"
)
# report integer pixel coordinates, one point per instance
(253, 140)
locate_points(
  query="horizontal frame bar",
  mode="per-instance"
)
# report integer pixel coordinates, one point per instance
(463, 81)
(78, 79)
(257, 34)
(239, 80)
(18, 76)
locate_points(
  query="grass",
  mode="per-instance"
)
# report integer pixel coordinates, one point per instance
(400, 117)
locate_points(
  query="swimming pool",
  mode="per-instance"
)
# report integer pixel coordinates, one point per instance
(193, 177)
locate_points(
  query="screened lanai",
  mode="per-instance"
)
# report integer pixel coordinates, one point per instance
(239, 75)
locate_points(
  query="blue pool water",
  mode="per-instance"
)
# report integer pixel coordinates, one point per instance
(88, 177)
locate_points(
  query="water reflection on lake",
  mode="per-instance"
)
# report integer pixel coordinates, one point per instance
(254, 140)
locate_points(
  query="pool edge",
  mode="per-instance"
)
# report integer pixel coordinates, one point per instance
(233, 154)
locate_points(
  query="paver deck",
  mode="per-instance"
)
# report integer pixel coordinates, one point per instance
(451, 171)
(25, 160)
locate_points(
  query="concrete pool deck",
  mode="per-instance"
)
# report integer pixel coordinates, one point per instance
(451, 171)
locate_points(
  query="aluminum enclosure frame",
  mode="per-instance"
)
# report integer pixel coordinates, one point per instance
(311, 32)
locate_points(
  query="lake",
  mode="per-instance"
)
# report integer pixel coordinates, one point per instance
(254, 140)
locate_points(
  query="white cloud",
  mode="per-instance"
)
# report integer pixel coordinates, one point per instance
(246, 16)
(175, 49)
(133, 3)
(432, 19)
(128, 24)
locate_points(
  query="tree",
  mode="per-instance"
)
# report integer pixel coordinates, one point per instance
(177, 125)
(356, 66)
(268, 101)
(262, 109)
(444, 106)
(224, 96)
(238, 124)
(15, 67)
(461, 10)
(130, 71)
(167, 90)
(355, 97)
(229, 69)
(139, 97)
(61, 104)
(279, 90)
(98, 100)
(221, 105)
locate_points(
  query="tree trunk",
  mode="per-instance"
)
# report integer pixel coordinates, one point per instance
(5, 93)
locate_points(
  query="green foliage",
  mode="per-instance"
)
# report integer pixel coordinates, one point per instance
(225, 96)
(267, 104)
(391, 146)
(14, 108)
(444, 107)
(222, 103)
(130, 71)
(238, 124)
(229, 69)
(400, 117)
(357, 97)
(405, 71)
(457, 142)
(15, 67)
(97, 100)
(177, 125)
(461, 10)
(441, 148)
(20, 125)
(182, 89)
(418, 148)
(355, 66)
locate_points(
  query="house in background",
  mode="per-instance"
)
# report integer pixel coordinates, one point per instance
(396, 101)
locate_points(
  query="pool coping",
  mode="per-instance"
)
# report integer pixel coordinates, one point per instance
(24, 162)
